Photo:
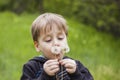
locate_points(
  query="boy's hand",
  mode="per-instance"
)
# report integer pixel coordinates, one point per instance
(69, 64)
(51, 67)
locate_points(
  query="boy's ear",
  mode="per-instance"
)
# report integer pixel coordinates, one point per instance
(36, 44)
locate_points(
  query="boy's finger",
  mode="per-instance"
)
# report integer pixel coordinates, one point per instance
(53, 67)
(52, 64)
(69, 65)
(65, 61)
(53, 71)
(53, 60)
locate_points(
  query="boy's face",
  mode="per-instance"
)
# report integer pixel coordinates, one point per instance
(55, 37)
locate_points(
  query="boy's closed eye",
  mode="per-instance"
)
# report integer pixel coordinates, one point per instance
(48, 39)
(60, 37)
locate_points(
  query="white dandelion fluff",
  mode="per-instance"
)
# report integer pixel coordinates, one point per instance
(55, 50)
(58, 49)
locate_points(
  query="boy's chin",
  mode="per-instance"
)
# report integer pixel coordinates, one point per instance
(58, 56)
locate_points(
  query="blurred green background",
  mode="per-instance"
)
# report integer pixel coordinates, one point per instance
(94, 34)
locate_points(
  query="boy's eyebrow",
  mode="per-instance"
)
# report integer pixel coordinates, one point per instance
(46, 36)
(49, 34)
(60, 32)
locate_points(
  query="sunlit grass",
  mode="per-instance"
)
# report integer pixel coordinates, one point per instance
(99, 52)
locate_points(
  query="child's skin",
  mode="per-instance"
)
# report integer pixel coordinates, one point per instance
(55, 37)
(49, 33)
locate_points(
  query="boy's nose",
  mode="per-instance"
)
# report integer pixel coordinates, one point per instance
(56, 43)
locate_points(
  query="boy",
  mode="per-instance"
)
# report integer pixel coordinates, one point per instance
(49, 33)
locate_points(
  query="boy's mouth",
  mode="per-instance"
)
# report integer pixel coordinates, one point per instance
(58, 50)
(58, 56)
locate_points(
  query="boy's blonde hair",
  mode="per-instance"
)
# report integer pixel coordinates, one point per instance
(46, 22)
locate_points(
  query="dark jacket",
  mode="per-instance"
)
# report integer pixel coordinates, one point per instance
(33, 70)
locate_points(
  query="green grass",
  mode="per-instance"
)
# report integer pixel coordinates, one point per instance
(99, 52)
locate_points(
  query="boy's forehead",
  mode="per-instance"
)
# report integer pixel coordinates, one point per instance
(53, 28)
(53, 31)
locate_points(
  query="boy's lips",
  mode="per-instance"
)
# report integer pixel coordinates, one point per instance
(58, 56)
(60, 49)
